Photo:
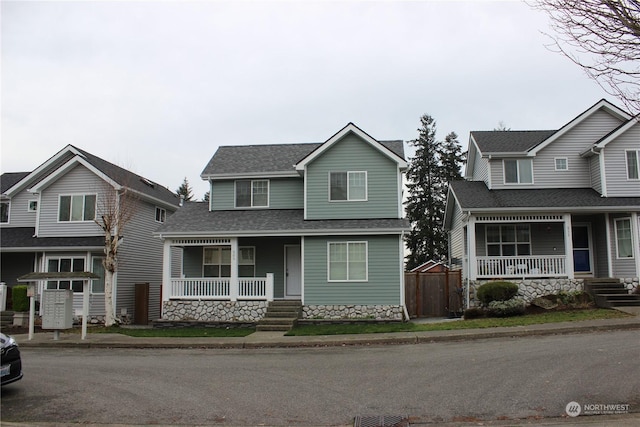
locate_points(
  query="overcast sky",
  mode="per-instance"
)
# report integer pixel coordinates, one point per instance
(156, 87)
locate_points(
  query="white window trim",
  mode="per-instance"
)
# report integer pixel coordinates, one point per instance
(615, 230)
(349, 199)
(555, 163)
(84, 196)
(29, 205)
(59, 257)
(163, 214)
(501, 242)
(518, 161)
(626, 164)
(366, 267)
(235, 194)
(8, 203)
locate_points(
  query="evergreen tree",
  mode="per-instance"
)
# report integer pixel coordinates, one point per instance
(185, 190)
(434, 165)
(206, 197)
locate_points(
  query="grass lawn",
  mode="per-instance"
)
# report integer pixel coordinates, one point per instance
(178, 332)
(528, 319)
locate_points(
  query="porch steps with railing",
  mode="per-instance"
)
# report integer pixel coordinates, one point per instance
(281, 315)
(609, 293)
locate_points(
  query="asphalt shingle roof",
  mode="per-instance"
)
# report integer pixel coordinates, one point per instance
(476, 195)
(509, 141)
(22, 237)
(195, 217)
(269, 158)
(9, 179)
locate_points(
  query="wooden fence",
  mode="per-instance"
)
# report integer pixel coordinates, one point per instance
(433, 294)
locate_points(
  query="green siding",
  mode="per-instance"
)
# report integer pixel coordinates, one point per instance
(353, 154)
(382, 287)
(284, 193)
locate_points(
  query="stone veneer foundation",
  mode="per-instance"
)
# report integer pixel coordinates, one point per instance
(214, 311)
(335, 312)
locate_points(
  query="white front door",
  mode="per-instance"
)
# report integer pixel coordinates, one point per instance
(292, 271)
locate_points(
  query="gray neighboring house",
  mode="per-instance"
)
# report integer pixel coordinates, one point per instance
(319, 223)
(549, 208)
(47, 225)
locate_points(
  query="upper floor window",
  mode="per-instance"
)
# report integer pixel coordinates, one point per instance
(161, 215)
(562, 164)
(252, 193)
(33, 206)
(347, 261)
(508, 240)
(81, 207)
(624, 238)
(347, 186)
(518, 171)
(633, 164)
(4, 211)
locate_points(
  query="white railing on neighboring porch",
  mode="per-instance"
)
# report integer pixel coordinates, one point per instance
(244, 288)
(521, 266)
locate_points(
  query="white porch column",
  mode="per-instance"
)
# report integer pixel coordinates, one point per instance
(471, 247)
(166, 272)
(568, 246)
(233, 283)
(635, 239)
(607, 230)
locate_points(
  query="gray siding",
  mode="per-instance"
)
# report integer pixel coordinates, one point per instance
(353, 154)
(78, 180)
(622, 267)
(481, 169)
(284, 193)
(19, 216)
(383, 286)
(456, 235)
(595, 173)
(615, 164)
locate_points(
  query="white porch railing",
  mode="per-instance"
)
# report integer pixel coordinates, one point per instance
(214, 288)
(521, 266)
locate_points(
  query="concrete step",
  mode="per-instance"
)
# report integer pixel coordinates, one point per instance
(279, 328)
(287, 313)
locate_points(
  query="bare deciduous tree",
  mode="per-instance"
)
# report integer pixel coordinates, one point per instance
(116, 207)
(602, 37)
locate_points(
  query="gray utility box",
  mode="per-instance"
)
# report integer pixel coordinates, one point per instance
(57, 309)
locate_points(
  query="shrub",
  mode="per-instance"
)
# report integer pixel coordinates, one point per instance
(496, 291)
(512, 307)
(19, 298)
(474, 313)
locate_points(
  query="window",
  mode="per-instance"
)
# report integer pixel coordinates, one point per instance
(97, 286)
(508, 240)
(65, 265)
(562, 164)
(217, 262)
(347, 186)
(246, 262)
(624, 239)
(347, 261)
(4, 211)
(252, 193)
(633, 164)
(161, 215)
(518, 171)
(80, 207)
(33, 206)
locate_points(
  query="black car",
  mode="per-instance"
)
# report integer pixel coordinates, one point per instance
(10, 363)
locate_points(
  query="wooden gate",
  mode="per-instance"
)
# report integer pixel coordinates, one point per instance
(433, 294)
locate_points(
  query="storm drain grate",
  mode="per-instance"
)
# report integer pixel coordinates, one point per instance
(381, 421)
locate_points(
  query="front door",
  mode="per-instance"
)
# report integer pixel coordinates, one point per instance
(292, 271)
(582, 262)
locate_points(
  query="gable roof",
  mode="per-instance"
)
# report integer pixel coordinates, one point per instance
(509, 141)
(9, 179)
(430, 266)
(348, 129)
(615, 133)
(476, 197)
(115, 175)
(269, 159)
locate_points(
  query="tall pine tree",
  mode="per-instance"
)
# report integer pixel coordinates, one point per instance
(185, 190)
(435, 164)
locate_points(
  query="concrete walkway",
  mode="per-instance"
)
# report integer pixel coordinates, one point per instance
(277, 339)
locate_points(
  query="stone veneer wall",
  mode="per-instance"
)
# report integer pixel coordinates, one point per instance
(631, 283)
(334, 312)
(214, 311)
(529, 289)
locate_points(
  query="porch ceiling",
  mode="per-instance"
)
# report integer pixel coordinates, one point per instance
(475, 196)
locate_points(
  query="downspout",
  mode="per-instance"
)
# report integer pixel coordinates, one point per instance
(402, 289)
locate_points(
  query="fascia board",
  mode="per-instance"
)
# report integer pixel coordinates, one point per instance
(616, 134)
(282, 233)
(65, 168)
(603, 103)
(448, 212)
(474, 151)
(351, 128)
(569, 209)
(226, 176)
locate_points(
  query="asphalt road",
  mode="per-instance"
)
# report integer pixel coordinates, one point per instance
(487, 380)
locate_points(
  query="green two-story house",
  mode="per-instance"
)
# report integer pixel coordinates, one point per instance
(321, 223)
